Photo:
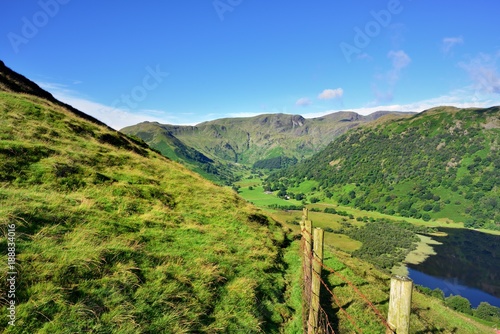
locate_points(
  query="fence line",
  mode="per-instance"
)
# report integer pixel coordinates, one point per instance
(318, 322)
(375, 310)
(323, 324)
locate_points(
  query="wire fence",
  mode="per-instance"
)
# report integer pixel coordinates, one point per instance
(324, 325)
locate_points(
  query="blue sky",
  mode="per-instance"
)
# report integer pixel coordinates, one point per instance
(184, 62)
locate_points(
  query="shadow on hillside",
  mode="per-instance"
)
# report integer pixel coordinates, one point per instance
(328, 303)
(429, 327)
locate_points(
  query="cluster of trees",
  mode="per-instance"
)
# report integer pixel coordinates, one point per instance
(384, 244)
(283, 192)
(285, 207)
(413, 168)
(338, 212)
(484, 311)
(275, 163)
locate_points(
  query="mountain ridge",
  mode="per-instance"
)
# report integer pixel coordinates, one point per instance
(248, 140)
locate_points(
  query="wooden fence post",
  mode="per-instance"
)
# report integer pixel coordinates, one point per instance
(305, 214)
(307, 250)
(306, 269)
(313, 321)
(308, 246)
(400, 305)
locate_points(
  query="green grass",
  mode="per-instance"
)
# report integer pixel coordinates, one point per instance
(258, 197)
(305, 187)
(114, 238)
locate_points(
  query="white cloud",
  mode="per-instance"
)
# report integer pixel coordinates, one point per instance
(329, 94)
(483, 72)
(242, 114)
(116, 118)
(461, 98)
(449, 42)
(303, 102)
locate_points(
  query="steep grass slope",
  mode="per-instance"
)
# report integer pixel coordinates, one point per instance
(111, 237)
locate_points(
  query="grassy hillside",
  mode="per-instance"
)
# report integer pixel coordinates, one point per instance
(171, 147)
(111, 237)
(251, 140)
(442, 163)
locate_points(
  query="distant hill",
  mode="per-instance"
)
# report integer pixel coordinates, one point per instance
(441, 163)
(255, 139)
(173, 148)
(112, 237)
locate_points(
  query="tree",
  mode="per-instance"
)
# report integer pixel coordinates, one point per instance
(427, 207)
(281, 193)
(299, 196)
(438, 293)
(486, 311)
(459, 303)
(314, 200)
(436, 207)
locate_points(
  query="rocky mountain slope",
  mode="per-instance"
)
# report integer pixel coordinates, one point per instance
(250, 140)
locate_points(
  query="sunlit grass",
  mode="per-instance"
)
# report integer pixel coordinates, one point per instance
(121, 240)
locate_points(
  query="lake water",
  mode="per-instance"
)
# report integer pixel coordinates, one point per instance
(467, 263)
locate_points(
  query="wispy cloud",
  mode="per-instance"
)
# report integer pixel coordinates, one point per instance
(329, 94)
(483, 71)
(116, 118)
(382, 97)
(303, 102)
(400, 60)
(364, 56)
(449, 42)
(388, 80)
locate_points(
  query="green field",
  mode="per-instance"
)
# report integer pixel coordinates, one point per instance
(258, 197)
